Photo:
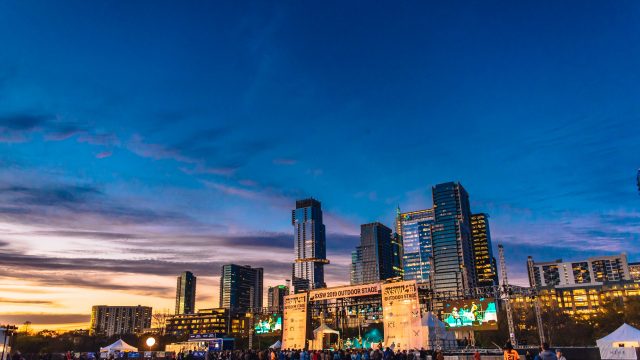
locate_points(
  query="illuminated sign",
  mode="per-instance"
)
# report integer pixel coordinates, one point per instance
(475, 314)
(402, 319)
(294, 330)
(344, 292)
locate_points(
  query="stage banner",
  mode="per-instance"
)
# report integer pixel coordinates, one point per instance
(401, 315)
(294, 329)
(344, 292)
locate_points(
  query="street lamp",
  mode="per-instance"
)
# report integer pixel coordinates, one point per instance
(150, 342)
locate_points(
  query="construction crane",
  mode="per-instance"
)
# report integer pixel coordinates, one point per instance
(536, 299)
(505, 295)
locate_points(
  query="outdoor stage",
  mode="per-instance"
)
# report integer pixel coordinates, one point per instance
(362, 316)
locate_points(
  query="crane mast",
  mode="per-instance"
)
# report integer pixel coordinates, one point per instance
(505, 295)
(536, 300)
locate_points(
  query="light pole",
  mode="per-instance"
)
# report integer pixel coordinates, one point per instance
(150, 342)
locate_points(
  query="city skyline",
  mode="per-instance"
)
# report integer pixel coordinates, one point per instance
(138, 141)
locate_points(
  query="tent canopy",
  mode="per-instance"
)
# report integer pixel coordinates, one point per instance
(119, 345)
(325, 329)
(277, 345)
(626, 336)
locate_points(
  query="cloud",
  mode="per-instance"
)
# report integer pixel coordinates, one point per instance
(80, 205)
(104, 154)
(219, 151)
(284, 161)
(16, 127)
(25, 301)
(45, 319)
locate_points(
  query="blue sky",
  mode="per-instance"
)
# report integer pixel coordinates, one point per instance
(150, 132)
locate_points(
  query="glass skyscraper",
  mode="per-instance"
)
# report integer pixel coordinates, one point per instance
(486, 272)
(414, 227)
(373, 259)
(451, 238)
(186, 293)
(309, 245)
(240, 287)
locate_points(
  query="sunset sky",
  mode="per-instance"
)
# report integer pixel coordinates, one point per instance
(140, 139)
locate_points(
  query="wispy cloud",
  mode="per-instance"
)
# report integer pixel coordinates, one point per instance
(285, 161)
(104, 154)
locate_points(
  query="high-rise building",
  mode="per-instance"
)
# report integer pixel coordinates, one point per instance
(186, 293)
(451, 239)
(309, 245)
(117, 320)
(634, 271)
(396, 248)
(275, 296)
(414, 228)
(240, 287)
(356, 266)
(593, 271)
(374, 255)
(485, 269)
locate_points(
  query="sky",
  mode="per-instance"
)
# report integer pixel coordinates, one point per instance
(142, 139)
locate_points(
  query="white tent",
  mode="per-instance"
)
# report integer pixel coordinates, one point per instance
(277, 345)
(436, 333)
(318, 342)
(118, 346)
(620, 344)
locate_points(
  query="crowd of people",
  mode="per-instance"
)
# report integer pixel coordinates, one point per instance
(348, 354)
(509, 353)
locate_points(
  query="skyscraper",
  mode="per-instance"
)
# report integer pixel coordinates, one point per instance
(240, 287)
(275, 296)
(374, 255)
(309, 245)
(186, 293)
(396, 248)
(117, 320)
(451, 237)
(414, 228)
(486, 272)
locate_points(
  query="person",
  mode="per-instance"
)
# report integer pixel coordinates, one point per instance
(528, 355)
(476, 355)
(546, 354)
(559, 355)
(440, 356)
(509, 353)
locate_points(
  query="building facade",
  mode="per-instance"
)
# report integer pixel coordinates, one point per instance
(634, 271)
(209, 321)
(275, 296)
(452, 245)
(484, 262)
(309, 245)
(240, 287)
(117, 320)
(373, 258)
(594, 271)
(414, 229)
(582, 300)
(186, 293)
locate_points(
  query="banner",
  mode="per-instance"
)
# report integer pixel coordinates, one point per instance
(294, 331)
(401, 313)
(344, 291)
(618, 353)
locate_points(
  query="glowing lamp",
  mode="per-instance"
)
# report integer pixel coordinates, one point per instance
(151, 341)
